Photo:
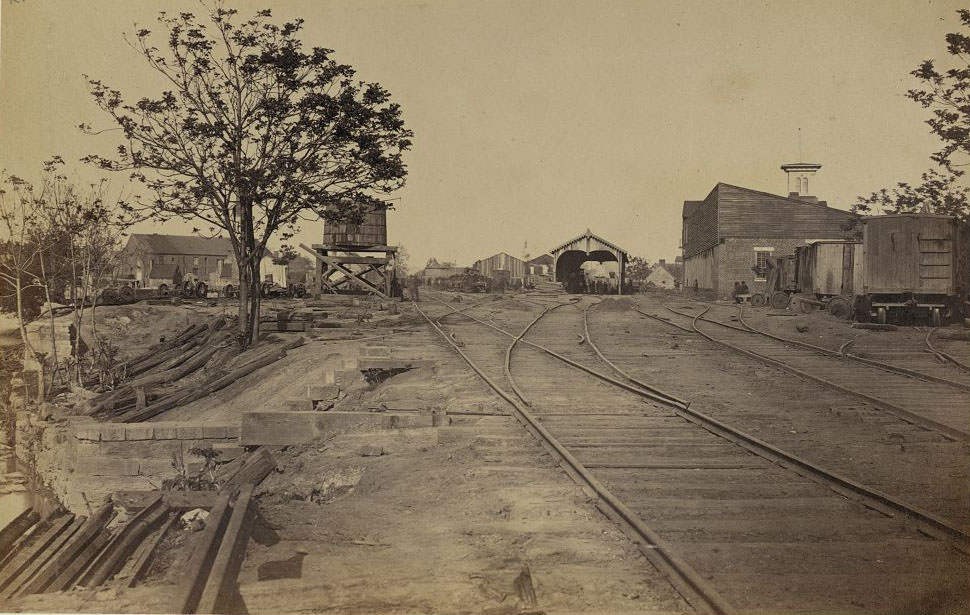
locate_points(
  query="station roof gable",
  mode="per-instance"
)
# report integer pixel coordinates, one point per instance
(579, 243)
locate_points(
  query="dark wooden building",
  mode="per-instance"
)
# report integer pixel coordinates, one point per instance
(731, 235)
(501, 266)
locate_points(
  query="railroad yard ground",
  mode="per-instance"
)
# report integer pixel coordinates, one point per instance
(459, 508)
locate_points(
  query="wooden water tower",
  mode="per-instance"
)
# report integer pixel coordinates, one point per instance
(355, 258)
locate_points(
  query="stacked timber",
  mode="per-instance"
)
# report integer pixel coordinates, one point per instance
(196, 363)
(65, 551)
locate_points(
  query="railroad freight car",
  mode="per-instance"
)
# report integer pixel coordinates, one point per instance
(918, 264)
(829, 274)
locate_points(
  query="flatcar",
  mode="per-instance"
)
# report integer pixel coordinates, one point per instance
(916, 263)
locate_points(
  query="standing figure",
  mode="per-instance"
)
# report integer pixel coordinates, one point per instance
(413, 288)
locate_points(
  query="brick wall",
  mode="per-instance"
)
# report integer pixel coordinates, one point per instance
(737, 257)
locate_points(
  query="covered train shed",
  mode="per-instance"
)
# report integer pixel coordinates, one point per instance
(568, 258)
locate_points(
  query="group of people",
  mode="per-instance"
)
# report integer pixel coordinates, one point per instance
(740, 290)
(577, 283)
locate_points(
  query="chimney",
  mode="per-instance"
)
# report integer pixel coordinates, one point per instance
(798, 174)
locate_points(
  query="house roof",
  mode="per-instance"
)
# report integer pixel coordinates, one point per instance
(819, 204)
(690, 207)
(542, 259)
(183, 244)
(676, 270)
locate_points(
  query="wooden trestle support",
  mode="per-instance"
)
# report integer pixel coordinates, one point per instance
(343, 269)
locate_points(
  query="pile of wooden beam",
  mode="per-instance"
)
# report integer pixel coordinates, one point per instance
(64, 551)
(163, 378)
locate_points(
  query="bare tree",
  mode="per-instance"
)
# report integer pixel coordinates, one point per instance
(86, 224)
(254, 133)
(19, 250)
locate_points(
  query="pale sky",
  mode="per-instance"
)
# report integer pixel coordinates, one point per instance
(537, 119)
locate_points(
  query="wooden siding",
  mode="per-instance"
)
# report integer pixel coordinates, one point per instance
(501, 262)
(699, 225)
(916, 253)
(745, 213)
(372, 232)
(701, 268)
(830, 268)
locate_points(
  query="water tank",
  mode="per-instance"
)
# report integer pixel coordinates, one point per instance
(371, 232)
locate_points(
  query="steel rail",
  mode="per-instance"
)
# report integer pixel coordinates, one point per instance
(828, 351)
(691, 585)
(899, 412)
(577, 365)
(939, 353)
(873, 498)
(897, 369)
(878, 500)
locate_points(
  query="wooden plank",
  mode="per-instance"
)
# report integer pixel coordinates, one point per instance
(333, 248)
(187, 593)
(16, 528)
(221, 585)
(283, 327)
(30, 552)
(49, 554)
(127, 541)
(179, 500)
(392, 363)
(106, 557)
(142, 558)
(65, 580)
(360, 260)
(70, 552)
(255, 468)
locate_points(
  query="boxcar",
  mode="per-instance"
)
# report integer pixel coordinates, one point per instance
(918, 263)
(829, 268)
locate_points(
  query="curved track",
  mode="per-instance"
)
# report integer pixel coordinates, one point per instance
(940, 372)
(931, 405)
(944, 356)
(738, 525)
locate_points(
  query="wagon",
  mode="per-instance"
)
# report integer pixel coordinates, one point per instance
(916, 264)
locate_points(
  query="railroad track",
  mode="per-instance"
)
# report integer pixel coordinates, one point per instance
(940, 372)
(736, 524)
(933, 405)
(944, 356)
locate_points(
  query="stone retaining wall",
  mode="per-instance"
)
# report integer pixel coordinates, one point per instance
(83, 461)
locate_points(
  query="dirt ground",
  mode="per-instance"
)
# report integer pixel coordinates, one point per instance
(470, 517)
(473, 516)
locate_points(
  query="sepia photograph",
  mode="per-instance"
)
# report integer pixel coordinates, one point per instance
(486, 307)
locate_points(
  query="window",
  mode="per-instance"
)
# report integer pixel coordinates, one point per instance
(761, 256)
(195, 260)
